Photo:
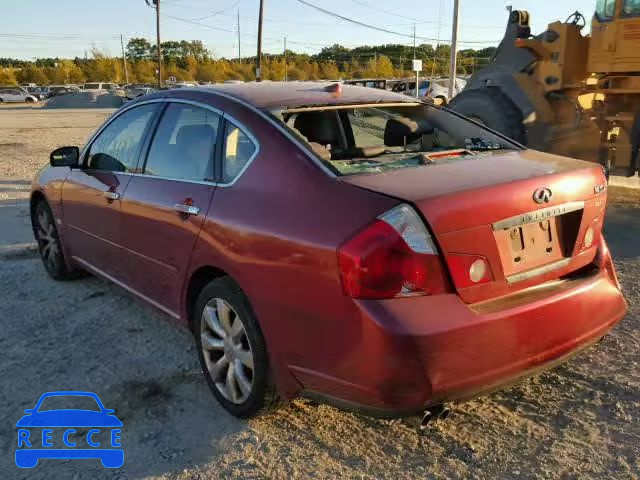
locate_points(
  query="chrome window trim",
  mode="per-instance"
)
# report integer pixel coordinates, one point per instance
(232, 120)
(226, 116)
(215, 110)
(278, 126)
(111, 119)
(185, 180)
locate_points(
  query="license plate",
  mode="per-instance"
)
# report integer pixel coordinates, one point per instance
(530, 245)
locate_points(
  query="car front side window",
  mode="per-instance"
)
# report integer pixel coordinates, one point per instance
(239, 149)
(184, 144)
(117, 147)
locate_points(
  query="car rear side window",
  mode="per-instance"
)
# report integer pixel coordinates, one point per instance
(239, 149)
(184, 144)
(117, 147)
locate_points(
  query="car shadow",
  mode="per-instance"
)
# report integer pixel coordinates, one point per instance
(92, 336)
(622, 230)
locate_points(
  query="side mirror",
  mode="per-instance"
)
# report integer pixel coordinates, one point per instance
(65, 157)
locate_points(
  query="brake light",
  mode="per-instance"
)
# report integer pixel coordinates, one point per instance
(392, 257)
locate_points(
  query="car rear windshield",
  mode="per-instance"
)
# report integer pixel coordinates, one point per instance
(357, 139)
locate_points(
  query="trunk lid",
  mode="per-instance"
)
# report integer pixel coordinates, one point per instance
(485, 206)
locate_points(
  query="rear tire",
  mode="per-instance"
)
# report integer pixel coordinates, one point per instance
(493, 109)
(29, 100)
(234, 357)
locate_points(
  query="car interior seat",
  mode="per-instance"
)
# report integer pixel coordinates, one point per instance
(195, 144)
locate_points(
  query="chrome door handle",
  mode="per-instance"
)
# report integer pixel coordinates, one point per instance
(111, 195)
(186, 209)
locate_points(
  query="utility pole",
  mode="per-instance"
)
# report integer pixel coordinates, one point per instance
(239, 54)
(259, 56)
(454, 48)
(157, 2)
(124, 60)
(414, 58)
(375, 56)
(285, 60)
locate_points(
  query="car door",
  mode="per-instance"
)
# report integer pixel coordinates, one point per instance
(164, 208)
(14, 95)
(91, 194)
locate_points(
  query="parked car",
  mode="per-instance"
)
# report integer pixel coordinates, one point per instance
(436, 89)
(58, 90)
(16, 95)
(345, 243)
(182, 85)
(100, 86)
(41, 92)
(134, 92)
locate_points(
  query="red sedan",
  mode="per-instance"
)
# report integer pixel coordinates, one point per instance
(338, 242)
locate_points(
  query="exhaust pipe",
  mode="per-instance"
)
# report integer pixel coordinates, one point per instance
(437, 412)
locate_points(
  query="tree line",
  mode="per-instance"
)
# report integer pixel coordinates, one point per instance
(192, 61)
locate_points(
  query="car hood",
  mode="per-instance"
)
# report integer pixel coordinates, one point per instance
(69, 418)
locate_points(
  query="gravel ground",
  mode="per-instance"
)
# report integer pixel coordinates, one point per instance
(577, 421)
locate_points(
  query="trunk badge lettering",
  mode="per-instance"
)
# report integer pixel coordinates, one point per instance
(542, 195)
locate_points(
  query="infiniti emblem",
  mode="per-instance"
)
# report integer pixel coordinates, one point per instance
(542, 195)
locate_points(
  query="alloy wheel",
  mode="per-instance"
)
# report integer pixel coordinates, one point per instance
(48, 241)
(227, 351)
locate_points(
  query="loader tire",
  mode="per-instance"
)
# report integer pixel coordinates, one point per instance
(493, 109)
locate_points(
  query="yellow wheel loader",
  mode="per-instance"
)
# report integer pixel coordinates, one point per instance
(564, 92)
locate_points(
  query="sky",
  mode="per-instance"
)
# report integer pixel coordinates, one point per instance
(69, 28)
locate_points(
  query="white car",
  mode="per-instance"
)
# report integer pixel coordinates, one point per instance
(16, 95)
(100, 86)
(438, 89)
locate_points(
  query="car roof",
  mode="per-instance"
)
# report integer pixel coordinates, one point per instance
(276, 95)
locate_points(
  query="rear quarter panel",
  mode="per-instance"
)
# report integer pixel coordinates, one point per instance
(275, 232)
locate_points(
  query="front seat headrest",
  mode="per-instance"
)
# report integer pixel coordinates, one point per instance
(401, 129)
(318, 127)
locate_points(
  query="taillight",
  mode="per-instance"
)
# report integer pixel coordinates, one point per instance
(392, 257)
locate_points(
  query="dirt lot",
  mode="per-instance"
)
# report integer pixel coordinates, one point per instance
(577, 421)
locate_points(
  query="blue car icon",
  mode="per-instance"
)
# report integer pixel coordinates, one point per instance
(31, 448)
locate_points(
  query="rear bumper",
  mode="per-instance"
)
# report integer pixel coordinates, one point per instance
(421, 351)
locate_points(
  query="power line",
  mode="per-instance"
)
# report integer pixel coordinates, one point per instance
(213, 27)
(388, 12)
(219, 12)
(54, 37)
(384, 30)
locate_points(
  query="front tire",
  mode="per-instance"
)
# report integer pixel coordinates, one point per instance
(232, 350)
(49, 244)
(29, 100)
